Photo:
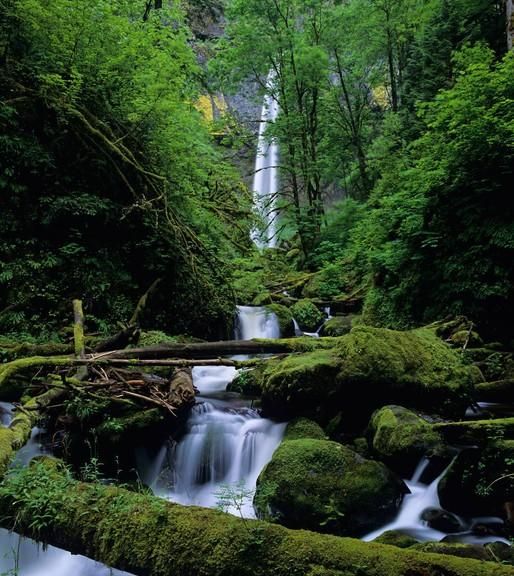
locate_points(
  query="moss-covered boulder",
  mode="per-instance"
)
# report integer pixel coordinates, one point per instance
(415, 367)
(481, 481)
(302, 385)
(324, 486)
(246, 382)
(285, 319)
(400, 438)
(366, 369)
(337, 326)
(396, 538)
(308, 315)
(303, 428)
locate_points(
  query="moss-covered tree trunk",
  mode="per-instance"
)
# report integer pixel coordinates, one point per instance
(151, 537)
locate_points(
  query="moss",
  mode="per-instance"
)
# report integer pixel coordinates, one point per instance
(145, 535)
(427, 372)
(401, 437)
(337, 326)
(303, 428)
(116, 428)
(396, 538)
(247, 382)
(300, 384)
(308, 315)
(454, 549)
(499, 391)
(473, 431)
(324, 486)
(285, 319)
(375, 367)
(9, 370)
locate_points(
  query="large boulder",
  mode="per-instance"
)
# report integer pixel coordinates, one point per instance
(326, 487)
(308, 315)
(400, 438)
(337, 326)
(366, 369)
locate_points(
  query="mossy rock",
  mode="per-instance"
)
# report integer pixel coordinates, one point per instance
(246, 382)
(465, 338)
(301, 385)
(337, 326)
(373, 367)
(454, 549)
(308, 315)
(285, 319)
(396, 538)
(400, 438)
(415, 367)
(304, 428)
(326, 487)
(480, 481)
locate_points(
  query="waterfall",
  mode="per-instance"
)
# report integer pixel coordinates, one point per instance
(225, 444)
(422, 498)
(256, 322)
(265, 183)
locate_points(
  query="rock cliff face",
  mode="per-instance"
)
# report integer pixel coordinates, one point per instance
(510, 24)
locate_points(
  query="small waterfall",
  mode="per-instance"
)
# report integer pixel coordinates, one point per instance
(265, 183)
(256, 322)
(221, 448)
(6, 413)
(225, 444)
(424, 497)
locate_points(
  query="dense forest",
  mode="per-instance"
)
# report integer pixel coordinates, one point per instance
(370, 287)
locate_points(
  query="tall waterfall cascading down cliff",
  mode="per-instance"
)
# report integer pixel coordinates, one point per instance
(265, 184)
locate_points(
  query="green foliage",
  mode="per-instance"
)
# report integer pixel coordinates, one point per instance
(109, 175)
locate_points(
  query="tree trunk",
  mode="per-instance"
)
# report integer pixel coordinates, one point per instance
(152, 537)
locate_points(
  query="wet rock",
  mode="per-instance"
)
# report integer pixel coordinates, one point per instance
(337, 326)
(401, 438)
(326, 487)
(442, 520)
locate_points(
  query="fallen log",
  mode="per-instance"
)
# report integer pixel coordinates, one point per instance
(152, 537)
(476, 431)
(10, 369)
(200, 350)
(498, 391)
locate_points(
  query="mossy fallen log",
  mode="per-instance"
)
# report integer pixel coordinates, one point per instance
(476, 431)
(151, 537)
(497, 391)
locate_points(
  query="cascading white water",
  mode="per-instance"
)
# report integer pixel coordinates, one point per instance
(256, 322)
(222, 449)
(425, 497)
(225, 444)
(265, 183)
(6, 415)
